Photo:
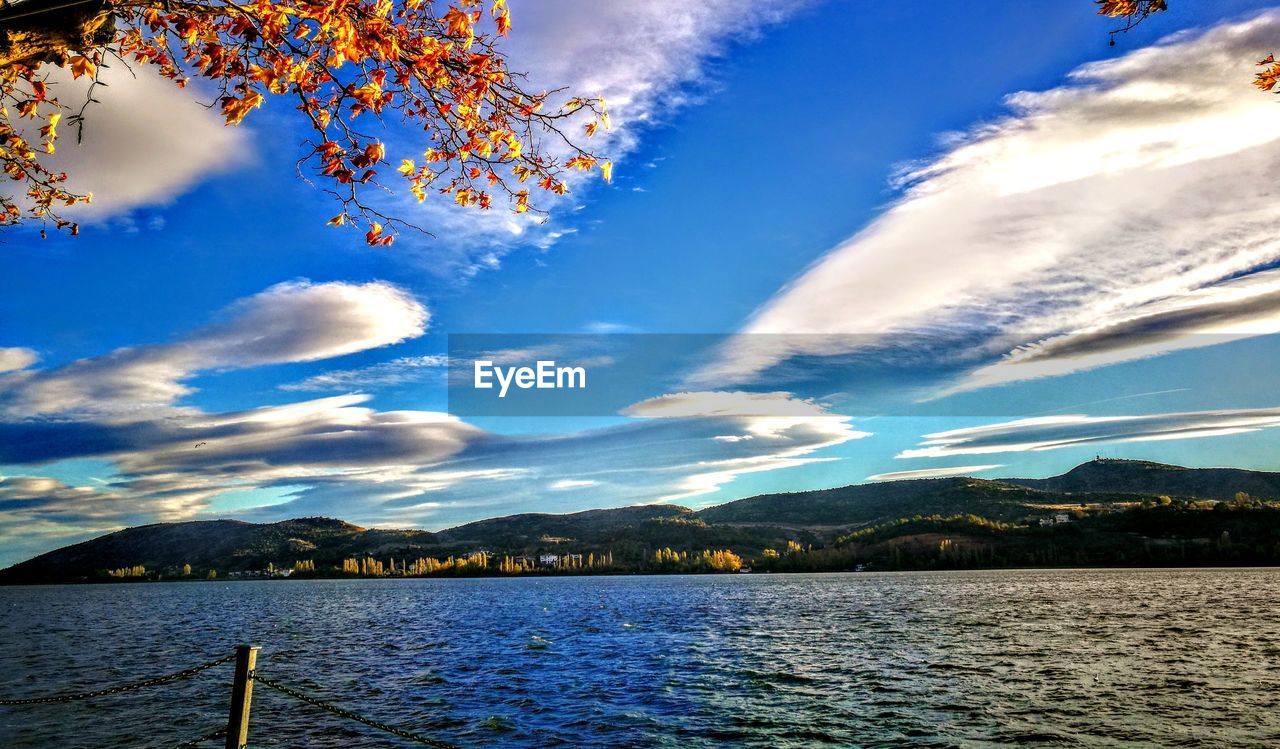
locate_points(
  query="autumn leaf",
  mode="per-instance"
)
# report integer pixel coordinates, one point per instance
(1267, 79)
(81, 65)
(235, 109)
(430, 65)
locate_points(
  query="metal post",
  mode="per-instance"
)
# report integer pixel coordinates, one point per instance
(241, 696)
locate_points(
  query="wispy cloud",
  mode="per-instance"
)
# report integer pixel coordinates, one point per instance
(1135, 199)
(145, 143)
(563, 485)
(932, 473)
(12, 359)
(1054, 432)
(289, 322)
(648, 60)
(728, 403)
(395, 372)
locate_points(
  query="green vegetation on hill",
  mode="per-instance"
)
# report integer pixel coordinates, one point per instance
(869, 503)
(1244, 531)
(1144, 477)
(1101, 513)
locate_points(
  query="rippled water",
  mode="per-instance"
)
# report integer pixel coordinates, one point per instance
(1090, 658)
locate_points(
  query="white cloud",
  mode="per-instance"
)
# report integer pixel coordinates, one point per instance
(12, 359)
(1143, 183)
(763, 432)
(727, 403)
(603, 327)
(637, 55)
(568, 484)
(146, 143)
(647, 59)
(1229, 311)
(1073, 430)
(932, 473)
(290, 322)
(395, 372)
(15, 490)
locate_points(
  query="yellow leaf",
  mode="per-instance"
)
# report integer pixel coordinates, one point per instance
(606, 168)
(81, 65)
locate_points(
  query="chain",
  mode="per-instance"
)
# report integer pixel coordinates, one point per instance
(198, 741)
(341, 713)
(156, 681)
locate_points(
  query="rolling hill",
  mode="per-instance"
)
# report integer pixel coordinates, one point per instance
(748, 526)
(861, 504)
(1143, 477)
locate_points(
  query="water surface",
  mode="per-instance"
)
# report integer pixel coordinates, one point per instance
(1112, 658)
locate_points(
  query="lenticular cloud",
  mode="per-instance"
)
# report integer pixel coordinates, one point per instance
(1087, 208)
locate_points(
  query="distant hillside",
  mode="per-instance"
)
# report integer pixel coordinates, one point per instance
(1092, 491)
(204, 544)
(861, 504)
(229, 546)
(1143, 477)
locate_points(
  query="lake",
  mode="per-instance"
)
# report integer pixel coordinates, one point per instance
(1105, 658)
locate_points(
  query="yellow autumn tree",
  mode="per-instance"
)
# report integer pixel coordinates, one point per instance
(721, 561)
(439, 67)
(136, 570)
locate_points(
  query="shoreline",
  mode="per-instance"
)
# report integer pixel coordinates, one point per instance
(798, 573)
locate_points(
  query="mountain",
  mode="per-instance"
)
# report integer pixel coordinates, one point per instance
(1143, 477)
(861, 504)
(204, 544)
(1099, 492)
(229, 546)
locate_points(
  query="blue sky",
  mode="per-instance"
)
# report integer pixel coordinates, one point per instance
(846, 181)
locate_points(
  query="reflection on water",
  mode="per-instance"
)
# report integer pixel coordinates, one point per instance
(1076, 657)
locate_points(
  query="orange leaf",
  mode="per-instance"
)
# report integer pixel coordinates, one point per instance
(81, 65)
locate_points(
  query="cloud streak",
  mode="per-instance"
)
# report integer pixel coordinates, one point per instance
(1074, 430)
(399, 371)
(932, 473)
(289, 322)
(648, 60)
(1136, 198)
